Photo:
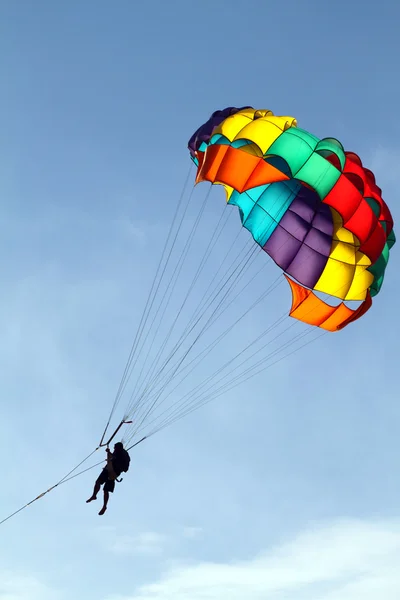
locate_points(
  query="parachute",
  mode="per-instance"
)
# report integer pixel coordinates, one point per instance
(310, 205)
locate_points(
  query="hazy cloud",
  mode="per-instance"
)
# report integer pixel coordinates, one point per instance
(340, 561)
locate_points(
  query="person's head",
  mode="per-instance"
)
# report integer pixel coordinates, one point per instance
(118, 447)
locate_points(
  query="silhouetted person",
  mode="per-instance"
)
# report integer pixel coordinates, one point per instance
(117, 462)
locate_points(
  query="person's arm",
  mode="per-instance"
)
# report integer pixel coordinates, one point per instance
(111, 473)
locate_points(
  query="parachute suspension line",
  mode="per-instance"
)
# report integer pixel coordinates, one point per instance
(208, 251)
(190, 409)
(207, 325)
(134, 407)
(224, 388)
(173, 351)
(213, 391)
(206, 303)
(249, 243)
(230, 362)
(153, 367)
(139, 421)
(68, 477)
(158, 286)
(167, 338)
(201, 355)
(264, 295)
(288, 344)
(270, 355)
(192, 344)
(196, 402)
(192, 328)
(50, 489)
(210, 378)
(204, 259)
(211, 320)
(138, 427)
(175, 369)
(204, 300)
(172, 283)
(150, 301)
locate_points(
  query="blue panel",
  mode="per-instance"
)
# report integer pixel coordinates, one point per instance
(219, 139)
(260, 224)
(243, 202)
(261, 208)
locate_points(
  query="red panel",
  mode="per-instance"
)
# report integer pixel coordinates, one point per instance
(374, 245)
(363, 222)
(344, 198)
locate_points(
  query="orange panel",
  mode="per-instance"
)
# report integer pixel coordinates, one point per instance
(308, 308)
(236, 168)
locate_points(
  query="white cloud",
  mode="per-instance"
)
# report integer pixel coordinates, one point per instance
(145, 543)
(192, 532)
(346, 560)
(21, 587)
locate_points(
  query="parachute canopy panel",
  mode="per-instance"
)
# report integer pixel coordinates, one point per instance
(307, 307)
(308, 203)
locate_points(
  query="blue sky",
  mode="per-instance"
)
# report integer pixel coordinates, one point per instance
(285, 488)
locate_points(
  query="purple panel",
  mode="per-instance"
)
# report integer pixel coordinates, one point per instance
(307, 233)
(302, 242)
(318, 241)
(204, 132)
(323, 220)
(282, 247)
(307, 266)
(303, 208)
(295, 225)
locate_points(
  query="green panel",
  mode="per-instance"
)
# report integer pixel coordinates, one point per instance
(376, 209)
(378, 270)
(319, 174)
(295, 146)
(332, 146)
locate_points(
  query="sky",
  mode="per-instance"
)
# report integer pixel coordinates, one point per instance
(285, 488)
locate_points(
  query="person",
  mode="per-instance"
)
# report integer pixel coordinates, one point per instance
(117, 462)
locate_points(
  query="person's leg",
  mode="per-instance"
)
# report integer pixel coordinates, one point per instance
(108, 488)
(106, 498)
(99, 481)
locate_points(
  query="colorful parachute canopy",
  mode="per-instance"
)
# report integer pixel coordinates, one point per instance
(307, 202)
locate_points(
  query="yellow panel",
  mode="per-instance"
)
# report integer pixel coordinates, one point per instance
(337, 221)
(361, 282)
(284, 122)
(237, 126)
(252, 149)
(250, 112)
(229, 191)
(343, 252)
(362, 259)
(344, 235)
(344, 280)
(233, 124)
(262, 132)
(263, 112)
(336, 278)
